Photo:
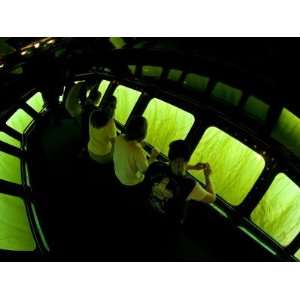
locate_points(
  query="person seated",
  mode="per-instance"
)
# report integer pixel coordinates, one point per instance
(102, 131)
(168, 187)
(130, 159)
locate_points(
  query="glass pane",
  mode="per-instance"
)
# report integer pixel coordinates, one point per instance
(126, 100)
(287, 131)
(15, 232)
(166, 123)
(132, 68)
(102, 88)
(10, 168)
(19, 121)
(196, 82)
(118, 42)
(257, 108)
(235, 166)
(174, 74)
(36, 102)
(297, 254)
(278, 212)
(227, 93)
(152, 71)
(4, 137)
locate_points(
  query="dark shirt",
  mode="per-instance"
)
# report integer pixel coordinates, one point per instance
(167, 193)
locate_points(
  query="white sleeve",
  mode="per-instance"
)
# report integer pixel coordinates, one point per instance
(198, 193)
(141, 160)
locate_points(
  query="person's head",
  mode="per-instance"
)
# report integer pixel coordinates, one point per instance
(179, 155)
(110, 104)
(136, 130)
(100, 117)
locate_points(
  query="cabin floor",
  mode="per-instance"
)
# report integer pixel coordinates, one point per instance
(85, 215)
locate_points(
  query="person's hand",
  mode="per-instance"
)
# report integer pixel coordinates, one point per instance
(207, 170)
(198, 166)
(155, 152)
(143, 144)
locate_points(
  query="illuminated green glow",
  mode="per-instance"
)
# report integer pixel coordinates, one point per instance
(126, 100)
(278, 212)
(27, 175)
(220, 211)
(287, 131)
(235, 167)
(102, 89)
(257, 108)
(10, 168)
(118, 42)
(174, 74)
(4, 137)
(196, 82)
(152, 71)
(227, 93)
(297, 254)
(15, 232)
(19, 121)
(250, 234)
(132, 68)
(166, 123)
(37, 222)
(36, 102)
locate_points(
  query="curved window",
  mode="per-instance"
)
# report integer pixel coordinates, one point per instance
(196, 82)
(15, 232)
(19, 121)
(36, 102)
(297, 254)
(235, 167)
(166, 123)
(152, 71)
(4, 137)
(102, 88)
(287, 131)
(174, 74)
(126, 100)
(10, 168)
(256, 108)
(227, 93)
(278, 212)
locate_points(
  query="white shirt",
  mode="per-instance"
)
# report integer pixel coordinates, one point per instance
(100, 138)
(130, 161)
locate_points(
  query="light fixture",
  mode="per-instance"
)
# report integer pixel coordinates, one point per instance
(36, 45)
(1, 66)
(23, 52)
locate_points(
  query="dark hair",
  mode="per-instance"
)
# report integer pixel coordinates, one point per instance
(179, 149)
(100, 117)
(136, 129)
(110, 103)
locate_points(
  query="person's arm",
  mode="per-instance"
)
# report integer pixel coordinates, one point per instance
(153, 156)
(208, 194)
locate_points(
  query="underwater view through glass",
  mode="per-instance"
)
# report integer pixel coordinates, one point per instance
(4, 137)
(166, 123)
(36, 102)
(19, 121)
(15, 232)
(235, 167)
(278, 212)
(126, 100)
(287, 131)
(10, 168)
(102, 89)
